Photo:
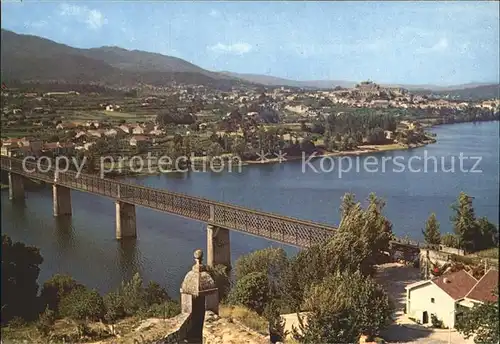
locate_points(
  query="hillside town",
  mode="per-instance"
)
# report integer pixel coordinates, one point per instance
(211, 122)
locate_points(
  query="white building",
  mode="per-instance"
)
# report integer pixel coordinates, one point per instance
(446, 295)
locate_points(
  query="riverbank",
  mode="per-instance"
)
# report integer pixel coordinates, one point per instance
(362, 150)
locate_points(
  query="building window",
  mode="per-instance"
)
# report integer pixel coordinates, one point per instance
(432, 300)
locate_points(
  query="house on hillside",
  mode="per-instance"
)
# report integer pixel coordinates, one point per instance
(140, 141)
(125, 128)
(447, 296)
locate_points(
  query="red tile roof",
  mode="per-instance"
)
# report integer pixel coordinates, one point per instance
(483, 290)
(456, 284)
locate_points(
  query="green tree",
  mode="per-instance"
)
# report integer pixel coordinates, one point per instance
(482, 322)
(134, 296)
(450, 240)
(488, 233)
(55, 288)
(464, 222)
(82, 304)
(270, 261)
(20, 269)
(431, 233)
(277, 331)
(342, 307)
(220, 275)
(251, 291)
(114, 310)
(155, 294)
(473, 234)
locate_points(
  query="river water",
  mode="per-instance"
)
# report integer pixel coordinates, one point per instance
(84, 246)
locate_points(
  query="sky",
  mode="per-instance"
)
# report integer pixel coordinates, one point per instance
(441, 43)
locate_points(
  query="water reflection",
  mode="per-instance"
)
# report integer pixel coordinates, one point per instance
(128, 261)
(64, 232)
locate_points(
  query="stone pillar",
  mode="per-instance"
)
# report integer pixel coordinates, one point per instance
(218, 246)
(61, 199)
(125, 220)
(16, 186)
(199, 293)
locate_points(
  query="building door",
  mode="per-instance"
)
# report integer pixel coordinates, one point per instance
(425, 318)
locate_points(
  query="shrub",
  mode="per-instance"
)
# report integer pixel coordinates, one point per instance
(165, 310)
(54, 289)
(45, 321)
(17, 322)
(450, 240)
(342, 307)
(251, 291)
(155, 294)
(113, 305)
(20, 268)
(82, 304)
(133, 295)
(221, 278)
(270, 261)
(436, 323)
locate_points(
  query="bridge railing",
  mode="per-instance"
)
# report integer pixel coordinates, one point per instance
(271, 226)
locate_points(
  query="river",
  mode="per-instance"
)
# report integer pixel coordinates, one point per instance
(85, 248)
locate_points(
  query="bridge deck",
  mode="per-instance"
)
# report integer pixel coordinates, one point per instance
(279, 228)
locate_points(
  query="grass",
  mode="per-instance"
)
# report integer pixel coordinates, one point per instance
(489, 253)
(245, 316)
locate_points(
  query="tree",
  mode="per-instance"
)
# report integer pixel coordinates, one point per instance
(464, 222)
(20, 269)
(221, 278)
(342, 307)
(277, 331)
(113, 305)
(82, 304)
(481, 321)
(251, 291)
(54, 289)
(450, 240)
(134, 296)
(488, 233)
(431, 233)
(155, 294)
(270, 261)
(473, 234)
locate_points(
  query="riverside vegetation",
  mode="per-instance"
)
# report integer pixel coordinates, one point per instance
(333, 284)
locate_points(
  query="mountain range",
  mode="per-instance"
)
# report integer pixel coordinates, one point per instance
(32, 58)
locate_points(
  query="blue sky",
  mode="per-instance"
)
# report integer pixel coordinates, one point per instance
(391, 42)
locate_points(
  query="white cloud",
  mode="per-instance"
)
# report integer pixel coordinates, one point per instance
(337, 48)
(440, 46)
(214, 13)
(36, 24)
(94, 19)
(236, 48)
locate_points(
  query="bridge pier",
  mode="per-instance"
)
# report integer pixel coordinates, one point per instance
(16, 186)
(62, 200)
(125, 220)
(218, 246)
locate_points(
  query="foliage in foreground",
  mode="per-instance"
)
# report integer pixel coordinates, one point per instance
(342, 307)
(482, 322)
(20, 269)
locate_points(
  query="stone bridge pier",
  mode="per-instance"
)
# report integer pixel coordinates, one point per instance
(16, 186)
(218, 246)
(125, 220)
(61, 200)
